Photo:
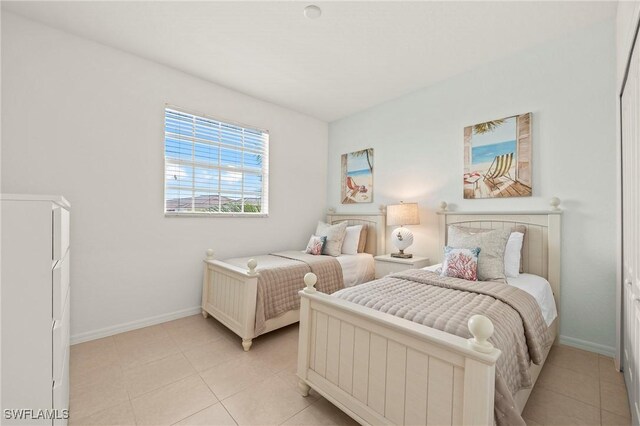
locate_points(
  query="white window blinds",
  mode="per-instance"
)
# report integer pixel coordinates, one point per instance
(213, 167)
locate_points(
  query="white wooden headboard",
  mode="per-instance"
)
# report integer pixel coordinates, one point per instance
(541, 247)
(376, 228)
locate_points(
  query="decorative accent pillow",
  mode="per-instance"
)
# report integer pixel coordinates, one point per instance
(363, 239)
(515, 228)
(315, 245)
(460, 263)
(492, 245)
(351, 239)
(512, 255)
(335, 237)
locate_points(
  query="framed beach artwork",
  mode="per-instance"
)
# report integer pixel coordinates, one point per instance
(497, 158)
(357, 177)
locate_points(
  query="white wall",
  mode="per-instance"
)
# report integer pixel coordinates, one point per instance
(568, 85)
(626, 24)
(86, 121)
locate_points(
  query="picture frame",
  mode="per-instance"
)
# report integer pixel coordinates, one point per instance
(357, 177)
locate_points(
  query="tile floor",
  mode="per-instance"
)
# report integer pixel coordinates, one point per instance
(193, 371)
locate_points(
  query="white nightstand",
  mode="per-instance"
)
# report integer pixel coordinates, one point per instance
(385, 264)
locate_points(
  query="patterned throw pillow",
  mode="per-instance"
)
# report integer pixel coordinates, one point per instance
(492, 244)
(460, 263)
(315, 245)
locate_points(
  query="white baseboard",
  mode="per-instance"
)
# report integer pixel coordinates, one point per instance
(588, 346)
(133, 325)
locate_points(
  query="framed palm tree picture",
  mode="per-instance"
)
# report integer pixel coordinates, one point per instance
(497, 158)
(357, 177)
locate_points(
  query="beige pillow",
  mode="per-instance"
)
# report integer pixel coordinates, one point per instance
(335, 237)
(491, 244)
(363, 239)
(515, 228)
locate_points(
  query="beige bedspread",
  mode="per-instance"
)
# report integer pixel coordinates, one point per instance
(281, 278)
(447, 304)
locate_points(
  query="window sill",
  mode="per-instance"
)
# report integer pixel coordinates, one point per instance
(227, 215)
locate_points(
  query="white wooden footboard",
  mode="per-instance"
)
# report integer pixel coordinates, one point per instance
(229, 295)
(382, 369)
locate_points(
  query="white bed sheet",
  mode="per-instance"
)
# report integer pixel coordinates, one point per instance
(536, 286)
(357, 268)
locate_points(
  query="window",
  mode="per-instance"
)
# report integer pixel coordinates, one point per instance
(214, 167)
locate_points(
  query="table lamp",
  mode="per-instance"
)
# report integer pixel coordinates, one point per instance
(400, 215)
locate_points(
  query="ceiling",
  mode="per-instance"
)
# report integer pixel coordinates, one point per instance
(356, 55)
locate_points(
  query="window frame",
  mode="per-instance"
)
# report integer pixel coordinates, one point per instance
(264, 173)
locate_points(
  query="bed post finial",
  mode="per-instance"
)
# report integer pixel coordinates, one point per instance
(331, 210)
(252, 264)
(310, 279)
(443, 206)
(383, 209)
(481, 329)
(555, 202)
(210, 254)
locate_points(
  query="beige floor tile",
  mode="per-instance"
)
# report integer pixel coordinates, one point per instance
(270, 402)
(147, 377)
(87, 400)
(193, 331)
(260, 386)
(608, 371)
(81, 378)
(173, 402)
(211, 354)
(141, 334)
(232, 376)
(184, 321)
(215, 415)
(141, 346)
(614, 398)
(321, 412)
(610, 419)
(584, 388)
(119, 415)
(574, 359)
(94, 355)
(551, 408)
(277, 354)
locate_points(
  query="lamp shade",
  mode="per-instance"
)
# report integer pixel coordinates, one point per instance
(403, 214)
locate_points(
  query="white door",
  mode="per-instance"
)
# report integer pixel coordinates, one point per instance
(630, 232)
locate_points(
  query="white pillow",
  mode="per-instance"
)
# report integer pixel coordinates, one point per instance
(512, 255)
(351, 240)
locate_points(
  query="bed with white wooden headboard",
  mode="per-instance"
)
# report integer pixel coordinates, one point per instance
(541, 246)
(229, 292)
(383, 369)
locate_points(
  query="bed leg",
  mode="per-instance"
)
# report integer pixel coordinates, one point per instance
(205, 314)
(246, 344)
(303, 388)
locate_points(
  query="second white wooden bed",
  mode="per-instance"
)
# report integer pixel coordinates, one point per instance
(381, 369)
(229, 292)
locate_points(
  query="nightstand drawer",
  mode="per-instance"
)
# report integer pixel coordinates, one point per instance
(386, 264)
(385, 268)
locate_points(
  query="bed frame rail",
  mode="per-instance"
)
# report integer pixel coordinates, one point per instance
(381, 369)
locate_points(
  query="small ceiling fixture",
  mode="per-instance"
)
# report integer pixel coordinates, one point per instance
(312, 11)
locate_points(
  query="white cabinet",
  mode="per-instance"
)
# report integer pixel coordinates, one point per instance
(630, 131)
(35, 309)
